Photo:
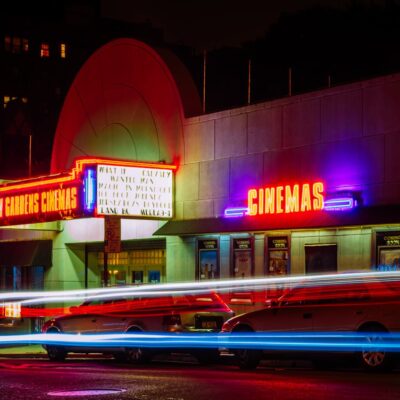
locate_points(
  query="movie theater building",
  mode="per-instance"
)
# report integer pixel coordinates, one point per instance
(143, 183)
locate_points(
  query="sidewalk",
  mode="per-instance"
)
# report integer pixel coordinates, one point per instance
(34, 350)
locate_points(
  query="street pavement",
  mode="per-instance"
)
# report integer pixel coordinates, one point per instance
(169, 379)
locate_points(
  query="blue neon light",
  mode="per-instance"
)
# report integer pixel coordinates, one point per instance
(90, 189)
(340, 204)
(235, 212)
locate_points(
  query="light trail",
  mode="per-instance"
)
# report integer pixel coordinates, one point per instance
(342, 342)
(220, 286)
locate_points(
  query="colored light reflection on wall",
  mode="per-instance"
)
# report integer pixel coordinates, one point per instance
(286, 199)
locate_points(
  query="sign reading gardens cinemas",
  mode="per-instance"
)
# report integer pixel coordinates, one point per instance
(93, 187)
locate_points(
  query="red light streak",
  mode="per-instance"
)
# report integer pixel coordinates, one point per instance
(153, 306)
(306, 293)
(271, 285)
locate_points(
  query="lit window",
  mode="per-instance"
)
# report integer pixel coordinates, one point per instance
(6, 99)
(7, 43)
(25, 45)
(16, 45)
(63, 50)
(24, 100)
(44, 50)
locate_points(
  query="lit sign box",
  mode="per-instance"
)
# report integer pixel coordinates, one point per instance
(134, 191)
(93, 187)
(286, 199)
(40, 201)
(57, 199)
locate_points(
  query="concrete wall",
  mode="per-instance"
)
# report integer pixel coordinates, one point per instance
(68, 270)
(348, 136)
(353, 244)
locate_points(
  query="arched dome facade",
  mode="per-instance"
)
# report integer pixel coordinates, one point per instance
(124, 103)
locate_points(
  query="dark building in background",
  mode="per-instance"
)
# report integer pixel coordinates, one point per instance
(42, 47)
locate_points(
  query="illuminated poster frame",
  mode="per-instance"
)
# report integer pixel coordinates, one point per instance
(387, 250)
(242, 257)
(277, 254)
(71, 194)
(208, 267)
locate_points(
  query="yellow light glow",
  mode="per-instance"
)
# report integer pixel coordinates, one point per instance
(12, 310)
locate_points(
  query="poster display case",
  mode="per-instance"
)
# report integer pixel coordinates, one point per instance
(242, 257)
(277, 257)
(208, 259)
(387, 251)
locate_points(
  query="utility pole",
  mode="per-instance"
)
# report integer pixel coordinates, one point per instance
(249, 83)
(30, 156)
(204, 79)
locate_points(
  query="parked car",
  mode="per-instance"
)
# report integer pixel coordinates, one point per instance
(189, 313)
(370, 307)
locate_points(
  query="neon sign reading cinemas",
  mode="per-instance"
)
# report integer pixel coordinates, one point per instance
(286, 199)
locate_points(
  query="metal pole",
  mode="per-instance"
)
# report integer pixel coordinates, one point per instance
(30, 156)
(249, 83)
(204, 79)
(105, 272)
(86, 266)
(290, 81)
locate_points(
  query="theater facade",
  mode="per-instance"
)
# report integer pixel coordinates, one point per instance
(145, 189)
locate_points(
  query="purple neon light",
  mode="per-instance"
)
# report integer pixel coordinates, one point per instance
(340, 204)
(235, 212)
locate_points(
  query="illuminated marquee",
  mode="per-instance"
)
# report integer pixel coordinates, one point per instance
(286, 199)
(134, 191)
(93, 187)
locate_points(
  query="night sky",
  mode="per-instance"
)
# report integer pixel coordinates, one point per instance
(211, 23)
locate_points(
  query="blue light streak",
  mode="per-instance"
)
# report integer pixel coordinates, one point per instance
(309, 341)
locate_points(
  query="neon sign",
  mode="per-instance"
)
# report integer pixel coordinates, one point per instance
(233, 212)
(340, 204)
(286, 199)
(55, 200)
(21, 204)
(77, 193)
